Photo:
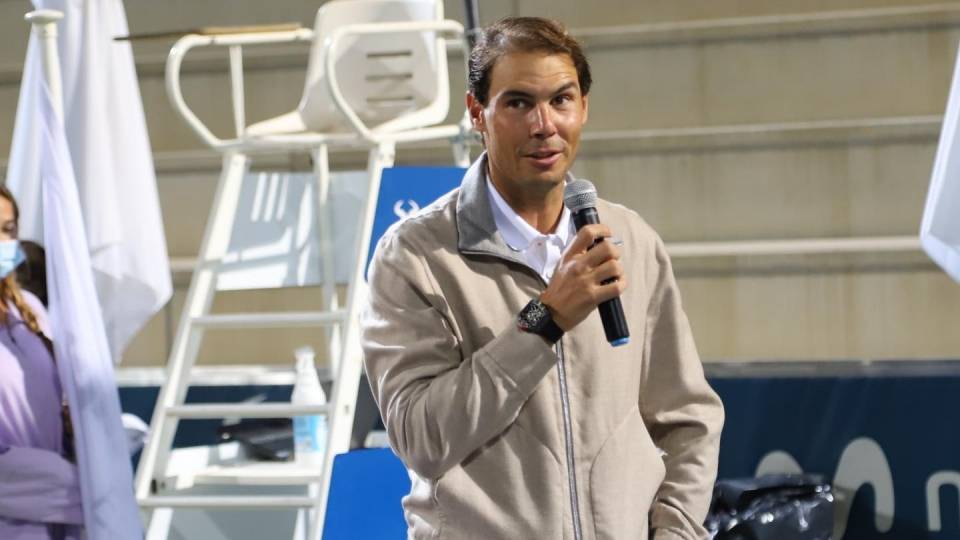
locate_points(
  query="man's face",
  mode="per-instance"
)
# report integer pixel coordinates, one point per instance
(532, 120)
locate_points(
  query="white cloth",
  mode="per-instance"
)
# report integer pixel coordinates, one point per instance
(113, 164)
(940, 229)
(80, 345)
(541, 251)
(23, 169)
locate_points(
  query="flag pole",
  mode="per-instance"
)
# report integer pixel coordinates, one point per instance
(472, 10)
(44, 22)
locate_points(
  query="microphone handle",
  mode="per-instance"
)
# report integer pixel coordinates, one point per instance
(611, 311)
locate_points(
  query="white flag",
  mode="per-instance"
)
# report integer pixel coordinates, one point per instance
(23, 170)
(112, 161)
(80, 345)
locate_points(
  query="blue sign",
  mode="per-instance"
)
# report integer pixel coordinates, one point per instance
(405, 190)
(365, 492)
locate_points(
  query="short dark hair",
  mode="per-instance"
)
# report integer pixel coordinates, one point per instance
(521, 34)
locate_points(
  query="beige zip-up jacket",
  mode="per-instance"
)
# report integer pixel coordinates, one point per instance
(509, 437)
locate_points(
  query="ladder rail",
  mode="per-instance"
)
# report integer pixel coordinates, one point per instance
(199, 298)
(349, 366)
(324, 221)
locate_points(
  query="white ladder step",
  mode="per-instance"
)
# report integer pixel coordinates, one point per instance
(272, 320)
(220, 501)
(245, 410)
(255, 474)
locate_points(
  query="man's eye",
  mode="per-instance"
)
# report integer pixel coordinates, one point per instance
(517, 103)
(562, 99)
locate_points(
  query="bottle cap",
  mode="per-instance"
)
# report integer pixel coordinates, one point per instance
(305, 357)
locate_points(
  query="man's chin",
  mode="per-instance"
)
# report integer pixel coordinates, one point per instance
(552, 175)
(544, 184)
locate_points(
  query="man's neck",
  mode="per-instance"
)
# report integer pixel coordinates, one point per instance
(540, 208)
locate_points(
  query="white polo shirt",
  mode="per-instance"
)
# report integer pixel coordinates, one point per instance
(541, 252)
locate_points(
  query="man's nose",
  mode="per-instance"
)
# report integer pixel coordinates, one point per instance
(542, 122)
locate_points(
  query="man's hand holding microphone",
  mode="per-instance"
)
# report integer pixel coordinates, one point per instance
(590, 274)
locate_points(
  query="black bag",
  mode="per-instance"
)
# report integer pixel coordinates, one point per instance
(772, 507)
(267, 439)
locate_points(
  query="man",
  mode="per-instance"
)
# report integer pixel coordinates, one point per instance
(485, 352)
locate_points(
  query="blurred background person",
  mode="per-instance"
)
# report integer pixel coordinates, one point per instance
(32, 274)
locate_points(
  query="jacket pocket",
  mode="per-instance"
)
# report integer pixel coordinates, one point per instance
(421, 511)
(512, 488)
(624, 479)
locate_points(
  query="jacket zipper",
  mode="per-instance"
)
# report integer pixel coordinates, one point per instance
(568, 436)
(567, 424)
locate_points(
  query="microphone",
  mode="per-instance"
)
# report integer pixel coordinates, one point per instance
(581, 198)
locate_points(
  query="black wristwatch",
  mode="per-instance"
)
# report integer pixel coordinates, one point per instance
(536, 319)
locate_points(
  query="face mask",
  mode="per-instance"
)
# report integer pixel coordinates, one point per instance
(11, 256)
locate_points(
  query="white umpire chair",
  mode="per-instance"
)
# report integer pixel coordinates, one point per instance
(376, 79)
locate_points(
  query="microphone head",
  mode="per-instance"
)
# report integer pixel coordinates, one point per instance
(579, 194)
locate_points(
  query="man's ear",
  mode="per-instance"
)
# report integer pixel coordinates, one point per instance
(586, 108)
(476, 113)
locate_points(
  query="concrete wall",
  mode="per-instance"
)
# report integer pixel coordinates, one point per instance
(717, 121)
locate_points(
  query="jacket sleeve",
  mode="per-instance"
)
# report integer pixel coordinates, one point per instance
(684, 415)
(39, 486)
(438, 405)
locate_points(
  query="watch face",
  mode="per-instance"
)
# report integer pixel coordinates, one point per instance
(532, 316)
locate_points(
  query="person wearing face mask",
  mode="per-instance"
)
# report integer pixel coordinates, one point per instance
(39, 486)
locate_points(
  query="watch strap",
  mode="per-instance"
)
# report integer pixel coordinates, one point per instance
(535, 318)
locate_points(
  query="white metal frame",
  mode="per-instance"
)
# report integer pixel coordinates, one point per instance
(342, 324)
(458, 134)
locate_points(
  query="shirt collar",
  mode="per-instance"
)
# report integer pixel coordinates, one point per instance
(476, 230)
(516, 232)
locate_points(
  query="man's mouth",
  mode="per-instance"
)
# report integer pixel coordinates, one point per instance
(544, 158)
(541, 154)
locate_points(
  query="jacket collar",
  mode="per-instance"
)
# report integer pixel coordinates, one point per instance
(477, 231)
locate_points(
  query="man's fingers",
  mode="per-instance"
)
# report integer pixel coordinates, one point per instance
(585, 238)
(611, 290)
(611, 269)
(600, 254)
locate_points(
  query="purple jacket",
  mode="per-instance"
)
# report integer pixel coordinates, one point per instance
(39, 489)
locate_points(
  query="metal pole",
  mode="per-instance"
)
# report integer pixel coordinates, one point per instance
(44, 23)
(472, 10)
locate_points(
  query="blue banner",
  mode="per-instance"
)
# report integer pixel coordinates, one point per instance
(890, 445)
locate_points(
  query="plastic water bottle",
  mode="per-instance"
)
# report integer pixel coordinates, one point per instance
(309, 432)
